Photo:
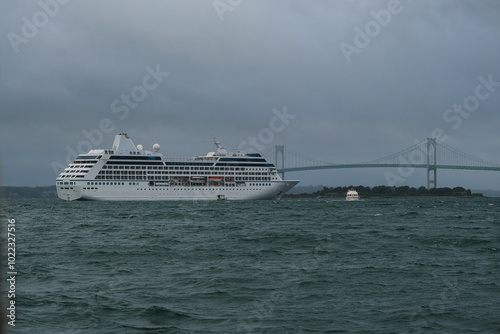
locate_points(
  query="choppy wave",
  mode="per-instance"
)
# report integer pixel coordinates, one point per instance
(291, 266)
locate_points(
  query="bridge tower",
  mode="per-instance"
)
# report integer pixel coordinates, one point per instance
(278, 149)
(431, 163)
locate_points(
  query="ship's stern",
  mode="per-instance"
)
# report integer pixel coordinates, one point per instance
(68, 190)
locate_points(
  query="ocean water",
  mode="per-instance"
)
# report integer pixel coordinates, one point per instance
(426, 265)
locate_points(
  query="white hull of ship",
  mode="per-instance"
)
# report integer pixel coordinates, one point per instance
(273, 190)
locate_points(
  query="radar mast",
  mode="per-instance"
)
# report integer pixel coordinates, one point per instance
(220, 147)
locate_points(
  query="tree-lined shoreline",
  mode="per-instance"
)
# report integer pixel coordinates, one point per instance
(28, 192)
(385, 191)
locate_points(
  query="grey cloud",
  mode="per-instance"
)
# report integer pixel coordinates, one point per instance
(227, 76)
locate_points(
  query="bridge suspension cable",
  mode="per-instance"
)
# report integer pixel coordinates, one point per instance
(429, 153)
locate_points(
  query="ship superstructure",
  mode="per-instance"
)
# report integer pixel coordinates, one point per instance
(128, 172)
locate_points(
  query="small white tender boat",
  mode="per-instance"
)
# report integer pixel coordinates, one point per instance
(352, 195)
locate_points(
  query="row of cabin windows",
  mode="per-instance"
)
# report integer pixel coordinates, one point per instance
(183, 168)
(204, 189)
(139, 177)
(101, 183)
(69, 171)
(80, 166)
(111, 183)
(133, 172)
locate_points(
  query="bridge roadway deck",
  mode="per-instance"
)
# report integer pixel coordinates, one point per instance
(368, 165)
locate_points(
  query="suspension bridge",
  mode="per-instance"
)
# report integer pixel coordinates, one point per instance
(430, 154)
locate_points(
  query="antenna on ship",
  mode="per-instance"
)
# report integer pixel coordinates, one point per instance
(220, 147)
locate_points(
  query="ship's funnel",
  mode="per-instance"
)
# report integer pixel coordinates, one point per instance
(123, 143)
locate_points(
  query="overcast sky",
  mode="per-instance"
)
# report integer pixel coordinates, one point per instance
(341, 81)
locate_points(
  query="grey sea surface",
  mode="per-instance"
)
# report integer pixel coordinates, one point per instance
(419, 265)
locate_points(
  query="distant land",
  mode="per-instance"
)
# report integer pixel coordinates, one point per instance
(312, 189)
(28, 192)
(301, 191)
(385, 191)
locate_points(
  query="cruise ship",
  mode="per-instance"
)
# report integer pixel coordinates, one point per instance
(128, 172)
